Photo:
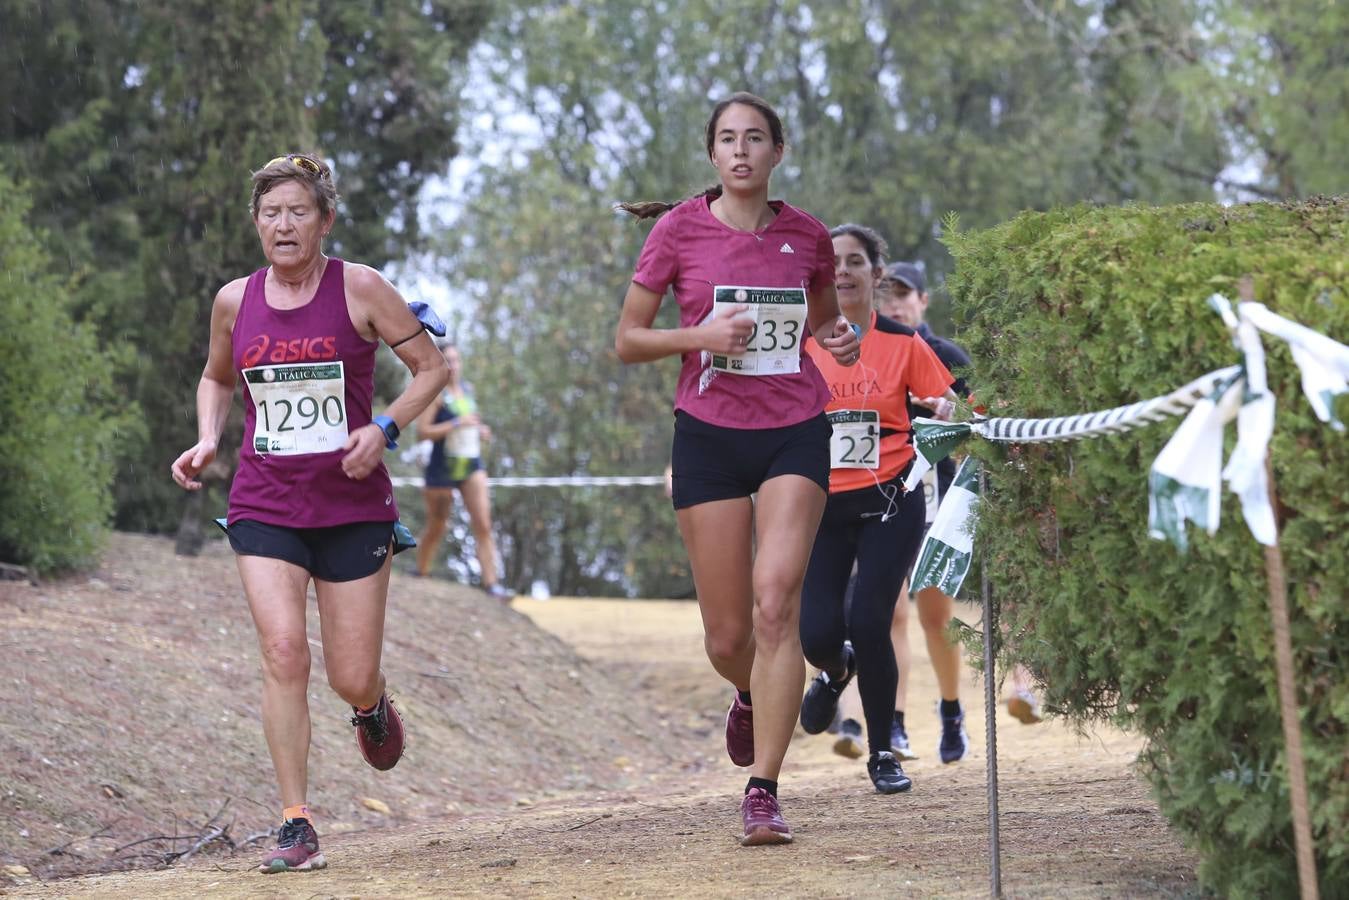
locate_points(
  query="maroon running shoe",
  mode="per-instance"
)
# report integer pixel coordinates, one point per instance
(379, 734)
(297, 849)
(740, 733)
(763, 819)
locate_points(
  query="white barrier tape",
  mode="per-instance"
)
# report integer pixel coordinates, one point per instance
(559, 481)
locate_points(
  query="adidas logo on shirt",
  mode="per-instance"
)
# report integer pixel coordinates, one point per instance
(786, 248)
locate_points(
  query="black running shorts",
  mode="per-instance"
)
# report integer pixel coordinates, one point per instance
(709, 462)
(338, 553)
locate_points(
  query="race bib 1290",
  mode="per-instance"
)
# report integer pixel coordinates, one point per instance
(299, 408)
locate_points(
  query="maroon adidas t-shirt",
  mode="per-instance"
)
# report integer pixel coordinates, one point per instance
(691, 251)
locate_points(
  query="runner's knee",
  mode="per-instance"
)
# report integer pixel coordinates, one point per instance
(934, 612)
(354, 684)
(727, 641)
(286, 659)
(820, 650)
(776, 619)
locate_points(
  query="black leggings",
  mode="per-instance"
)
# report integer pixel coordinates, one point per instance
(854, 528)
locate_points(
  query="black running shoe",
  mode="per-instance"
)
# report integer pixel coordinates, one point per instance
(886, 773)
(821, 700)
(955, 741)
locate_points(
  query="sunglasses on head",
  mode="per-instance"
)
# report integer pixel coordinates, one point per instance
(309, 164)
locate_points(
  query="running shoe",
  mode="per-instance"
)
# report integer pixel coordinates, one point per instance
(899, 742)
(740, 733)
(379, 734)
(500, 592)
(297, 849)
(821, 700)
(849, 740)
(1024, 706)
(763, 819)
(887, 774)
(955, 742)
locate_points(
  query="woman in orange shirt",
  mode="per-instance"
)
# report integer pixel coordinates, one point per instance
(869, 519)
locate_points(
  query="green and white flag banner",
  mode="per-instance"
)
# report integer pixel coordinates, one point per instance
(934, 441)
(1245, 472)
(1322, 362)
(1185, 483)
(948, 548)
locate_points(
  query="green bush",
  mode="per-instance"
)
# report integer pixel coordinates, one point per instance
(1083, 309)
(60, 414)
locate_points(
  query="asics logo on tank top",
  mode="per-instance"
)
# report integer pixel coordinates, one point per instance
(861, 388)
(786, 248)
(263, 349)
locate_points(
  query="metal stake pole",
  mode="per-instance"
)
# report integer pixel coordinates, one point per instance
(990, 720)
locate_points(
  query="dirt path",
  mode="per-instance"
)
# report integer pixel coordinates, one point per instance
(1076, 821)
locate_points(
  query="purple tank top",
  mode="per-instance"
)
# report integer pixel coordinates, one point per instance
(308, 379)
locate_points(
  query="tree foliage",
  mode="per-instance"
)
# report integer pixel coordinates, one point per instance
(64, 419)
(896, 115)
(1084, 309)
(137, 126)
(559, 400)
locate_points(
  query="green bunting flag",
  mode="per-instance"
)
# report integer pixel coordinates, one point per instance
(1185, 482)
(944, 560)
(933, 441)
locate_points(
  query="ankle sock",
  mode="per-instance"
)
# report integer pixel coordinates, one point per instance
(299, 811)
(770, 786)
(950, 709)
(744, 697)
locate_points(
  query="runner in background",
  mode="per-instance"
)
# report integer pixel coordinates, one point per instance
(904, 298)
(752, 278)
(456, 433)
(311, 499)
(869, 520)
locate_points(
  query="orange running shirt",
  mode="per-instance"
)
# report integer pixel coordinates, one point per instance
(895, 362)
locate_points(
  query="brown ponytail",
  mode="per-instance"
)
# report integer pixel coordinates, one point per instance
(654, 209)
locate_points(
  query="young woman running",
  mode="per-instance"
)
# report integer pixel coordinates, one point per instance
(869, 519)
(454, 421)
(752, 277)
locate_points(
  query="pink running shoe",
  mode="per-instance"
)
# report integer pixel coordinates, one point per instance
(297, 849)
(740, 733)
(379, 734)
(763, 819)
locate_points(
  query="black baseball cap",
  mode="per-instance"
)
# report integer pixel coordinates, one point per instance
(907, 274)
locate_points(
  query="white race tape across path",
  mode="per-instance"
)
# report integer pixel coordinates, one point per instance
(560, 481)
